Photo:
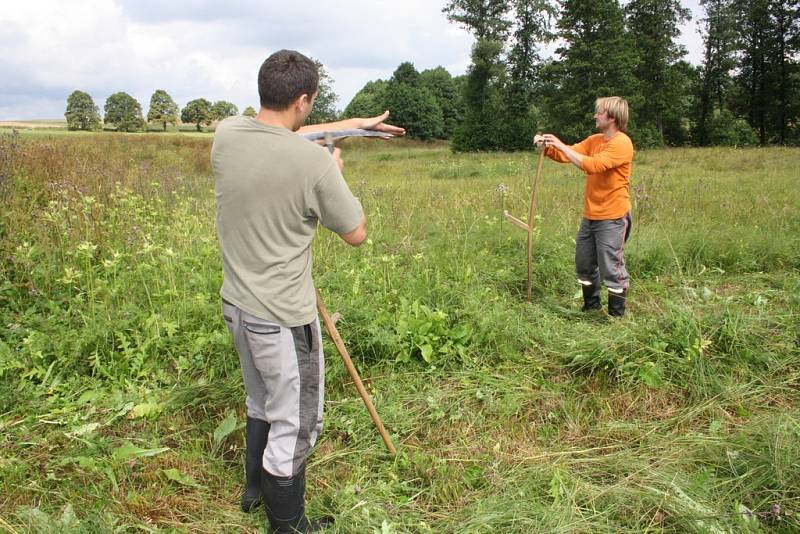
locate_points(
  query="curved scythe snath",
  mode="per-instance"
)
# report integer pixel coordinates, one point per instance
(529, 227)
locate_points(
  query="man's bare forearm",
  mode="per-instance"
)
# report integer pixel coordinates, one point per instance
(347, 124)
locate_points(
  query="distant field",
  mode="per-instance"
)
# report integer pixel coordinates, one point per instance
(59, 128)
(122, 403)
(43, 123)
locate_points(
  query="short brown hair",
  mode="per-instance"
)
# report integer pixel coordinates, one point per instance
(616, 107)
(283, 77)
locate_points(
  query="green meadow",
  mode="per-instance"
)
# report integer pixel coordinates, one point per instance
(122, 406)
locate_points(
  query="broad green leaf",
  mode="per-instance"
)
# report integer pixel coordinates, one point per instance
(149, 410)
(650, 375)
(112, 477)
(129, 450)
(180, 478)
(40, 521)
(68, 518)
(427, 351)
(227, 426)
(89, 396)
(84, 429)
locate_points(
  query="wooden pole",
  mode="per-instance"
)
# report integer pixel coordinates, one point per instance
(348, 363)
(532, 220)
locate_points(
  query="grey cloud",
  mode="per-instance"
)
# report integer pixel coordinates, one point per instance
(157, 11)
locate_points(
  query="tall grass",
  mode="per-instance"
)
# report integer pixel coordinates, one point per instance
(122, 402)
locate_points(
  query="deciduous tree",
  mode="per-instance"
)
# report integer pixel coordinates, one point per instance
(485, 19)
(369, 101)
(222, 109)
(82, 113)
(482, 99)
(440, 84)
(124, 112)
(488, 21)
(163, 109)
(197, 111)
(412, 105)
(325, 104)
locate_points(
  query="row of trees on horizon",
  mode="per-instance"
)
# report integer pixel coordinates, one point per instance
(124, 112)
(746, 91)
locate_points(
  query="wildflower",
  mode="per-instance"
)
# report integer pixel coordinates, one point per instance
(86, 249)
(70, 276)
(502, 188)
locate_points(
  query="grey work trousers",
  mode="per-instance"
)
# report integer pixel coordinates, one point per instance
(284, 378)
(599, 253)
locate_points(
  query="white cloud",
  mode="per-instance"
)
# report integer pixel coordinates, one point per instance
(206, 48)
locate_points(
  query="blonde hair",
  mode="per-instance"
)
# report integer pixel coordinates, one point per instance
(616, 107)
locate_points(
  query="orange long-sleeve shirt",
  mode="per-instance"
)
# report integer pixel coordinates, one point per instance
(607, 164)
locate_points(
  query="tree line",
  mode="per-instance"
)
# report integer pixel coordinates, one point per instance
(746, 91)
(125, 113)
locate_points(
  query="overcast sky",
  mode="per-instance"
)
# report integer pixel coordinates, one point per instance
(213, 49)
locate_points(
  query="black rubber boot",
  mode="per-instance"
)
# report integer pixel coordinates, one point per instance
(284, 501)
(591, 298)
(257, 433)
(616, 303)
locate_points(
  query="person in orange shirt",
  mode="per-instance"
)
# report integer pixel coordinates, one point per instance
(606, 158)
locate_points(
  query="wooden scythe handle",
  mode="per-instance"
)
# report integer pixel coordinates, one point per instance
(532, 220)
(348, 363)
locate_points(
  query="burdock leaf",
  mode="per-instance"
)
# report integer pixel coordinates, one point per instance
(129, 450)
(180, 478)
(222, 431)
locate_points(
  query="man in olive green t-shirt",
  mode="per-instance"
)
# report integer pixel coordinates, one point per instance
(272, 189)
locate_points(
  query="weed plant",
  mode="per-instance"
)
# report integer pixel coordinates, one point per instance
(122, 403)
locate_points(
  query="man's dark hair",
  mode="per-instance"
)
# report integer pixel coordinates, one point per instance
(284, 76)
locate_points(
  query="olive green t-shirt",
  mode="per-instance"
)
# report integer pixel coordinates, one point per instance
(272, 187)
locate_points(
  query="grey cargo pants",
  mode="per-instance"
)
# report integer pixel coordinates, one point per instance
(284, 378)
(598, 253)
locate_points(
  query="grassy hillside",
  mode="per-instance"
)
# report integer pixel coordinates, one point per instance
(122, 403)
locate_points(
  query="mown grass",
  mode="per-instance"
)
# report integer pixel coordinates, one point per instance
(122, 400)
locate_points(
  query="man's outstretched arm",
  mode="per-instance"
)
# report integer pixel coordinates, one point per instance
(373, 123)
